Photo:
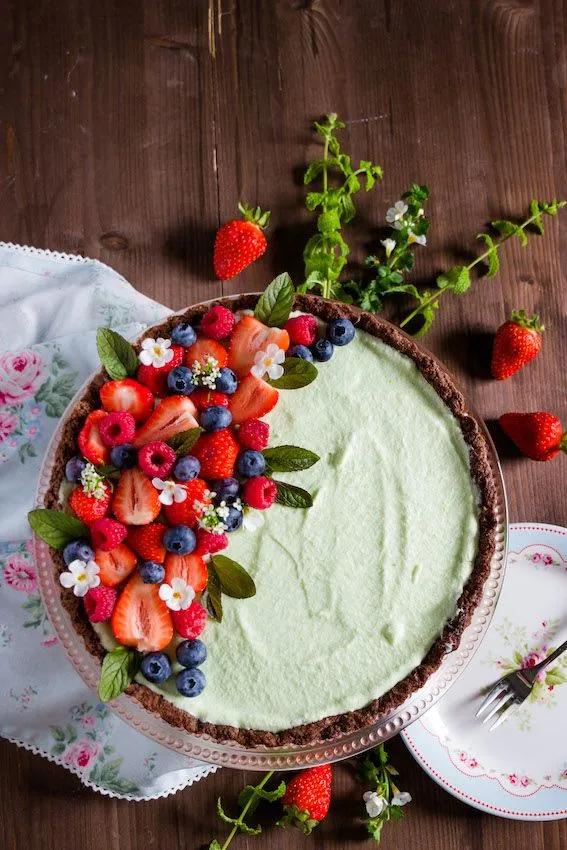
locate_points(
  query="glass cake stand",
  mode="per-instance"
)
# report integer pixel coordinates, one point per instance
(230, 754)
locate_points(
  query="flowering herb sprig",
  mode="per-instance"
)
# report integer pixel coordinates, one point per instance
(206, 374)
(384, 801)
(93, 482)
(248, 800)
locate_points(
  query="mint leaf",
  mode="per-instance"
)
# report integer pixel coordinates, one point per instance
(492, 259)
(275, 303)
(250, 791)
(116, 354)
(223, 816)
(509, 228)
(297, 373)
(535, 211)
(233, 579)
(289, 458)
(183, 442)
(56, 527)
(457, 279)
(214, 845)
(107, 470)
(119, 668)
(214, 597)
(292, 496)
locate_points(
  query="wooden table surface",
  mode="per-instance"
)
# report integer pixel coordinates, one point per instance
(131, 128)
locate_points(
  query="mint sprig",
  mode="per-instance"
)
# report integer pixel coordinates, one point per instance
(297, 373)
(234, 580)
(56, 528)
(374, 769)
(119, 667)
(276, 302)
(248, 801)
(116, 354)
(183, 442)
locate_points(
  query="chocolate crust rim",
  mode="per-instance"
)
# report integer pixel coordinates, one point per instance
(329, 727)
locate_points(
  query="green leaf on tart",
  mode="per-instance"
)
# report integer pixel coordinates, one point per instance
(275, 303)
(297, 373)
(119, 668)
(183, 442)
(214, 594)
(56, 527)
(289, 458)
(116, 354)
(233, 578)
(292, 496)
(107, 470)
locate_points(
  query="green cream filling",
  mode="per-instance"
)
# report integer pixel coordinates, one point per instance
(351, 593)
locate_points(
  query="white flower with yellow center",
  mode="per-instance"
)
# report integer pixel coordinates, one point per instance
(156, 352)
(389, 245)
(81, 576)
(171, 491)
(419, 240)
(178, 595)
(375, 804)
(269, 361)
(395, 214)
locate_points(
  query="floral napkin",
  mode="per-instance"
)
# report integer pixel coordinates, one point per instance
(50, 307)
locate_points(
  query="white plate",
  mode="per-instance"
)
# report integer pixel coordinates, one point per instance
(519, 770)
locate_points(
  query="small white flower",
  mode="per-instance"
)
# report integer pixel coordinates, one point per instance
(269, 361)
(401, 798)
(375, 804)
(156, 352)
(420, 240)
(389, 245)
(253, 520)
(205, 375)
(93, 482)
(178, 595)
(396, 213)
(81, 577)
(171, 491)
(420, 212)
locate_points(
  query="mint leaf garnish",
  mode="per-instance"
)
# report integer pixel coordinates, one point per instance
(55, 527)
(183, 442)
(289, 458)
(233, 578)
(297, 373)
(214, 596)
(116, 354)
(292, 496)
(275, 303)
(119, 668)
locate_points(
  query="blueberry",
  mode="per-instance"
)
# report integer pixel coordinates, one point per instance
(74, 468)
(124, 457)
(187, 468)
(180, 380)
(340, 331)
(225, 487)
(216, 417)
(322, 350)
(250, 463)
(300, 351)
(179, 540)
(78, 550)
(226, 498)
(151, 573)
(226, 381)
(156, 667)
(183, 334)
(190, 682)
(233, 520)
(191, 653)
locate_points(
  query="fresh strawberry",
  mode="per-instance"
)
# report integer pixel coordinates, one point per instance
(538, 435)
(218, 322)
(252, 399)
(115, 565)
(208, 543)
(129, 396)
(107, 534)
(190, 622)
(260, 492)
(185, 513)
(204, 398)
(249, 337)
(201, 350)
(191, 568)
(117, 428)
(216, 452)
(515, 344)
(254, 434)
(302, 330)
(173, 415)
(307, 798)
(89, 440)
(86, 507)
(99, 603)
(147, 541)
(136, 500)
(155, 377)
(141, 619)
(239, 242)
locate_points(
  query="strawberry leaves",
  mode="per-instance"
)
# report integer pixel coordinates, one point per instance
(116, 354)
(275, 303)
(56, 528)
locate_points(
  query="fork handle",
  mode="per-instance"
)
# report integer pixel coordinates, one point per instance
(555, 654)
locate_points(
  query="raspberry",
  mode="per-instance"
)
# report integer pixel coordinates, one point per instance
(209, 543)
(260, 492)
(254, 434)
(117, 428)
(218, 322)
(99, 603)
(107, 534)
(302, 330)
(190, 622)
(208, 398)
(156, 459)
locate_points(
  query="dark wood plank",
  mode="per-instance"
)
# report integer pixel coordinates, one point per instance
(128, 130)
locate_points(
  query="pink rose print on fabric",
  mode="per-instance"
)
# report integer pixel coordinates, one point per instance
(20, 376)
(88, 721)
(19, 575)
(81, 754)
(8, 423)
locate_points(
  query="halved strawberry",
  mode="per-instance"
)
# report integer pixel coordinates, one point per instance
(253, 398)
(249, 337)
(89, 440)
(173, 415)
(141, 619)
(136, 500)
(127, 396)
(147, 541)
(216, 451)
(185, 513)
(155, 377)
(204, 348)
(115, 565)
(191, 568)
(86, 507)
(204, 398)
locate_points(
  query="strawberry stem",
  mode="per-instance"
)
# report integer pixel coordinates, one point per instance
(255, 215)
(563, 443)
(532, 323)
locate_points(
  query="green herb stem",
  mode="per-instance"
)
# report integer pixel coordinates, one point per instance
(245, 808)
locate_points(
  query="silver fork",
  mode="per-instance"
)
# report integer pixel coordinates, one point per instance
(511, 691)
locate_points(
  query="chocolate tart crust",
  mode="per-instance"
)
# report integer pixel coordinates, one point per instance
(329, 727)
